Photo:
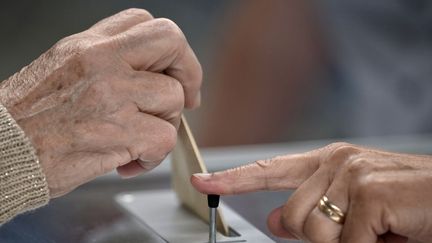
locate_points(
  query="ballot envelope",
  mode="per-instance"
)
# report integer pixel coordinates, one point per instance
(181, 215)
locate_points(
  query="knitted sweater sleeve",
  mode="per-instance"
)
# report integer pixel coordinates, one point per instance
(22, 183)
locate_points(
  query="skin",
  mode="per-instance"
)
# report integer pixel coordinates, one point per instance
(387, 197)
(107, 98)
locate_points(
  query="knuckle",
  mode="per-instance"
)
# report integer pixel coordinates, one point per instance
(174, 98)
(167, 138)
(138, 13)
(336, 145)
(340, 151)
(70, 46)
(341, 148)
(171, 29)
(79, 51)
(357, 166)
(74, 44)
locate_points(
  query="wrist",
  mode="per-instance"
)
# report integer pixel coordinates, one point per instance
(22, 182)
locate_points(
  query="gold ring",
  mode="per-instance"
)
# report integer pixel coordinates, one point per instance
(330, 210)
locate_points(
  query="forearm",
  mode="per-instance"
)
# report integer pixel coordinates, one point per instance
(22, 183)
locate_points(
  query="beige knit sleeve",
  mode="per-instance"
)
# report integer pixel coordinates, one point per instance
(22, 183)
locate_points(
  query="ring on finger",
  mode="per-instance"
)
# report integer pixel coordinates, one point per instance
(332, 211)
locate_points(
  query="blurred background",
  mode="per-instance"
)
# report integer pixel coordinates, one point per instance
(275, 71)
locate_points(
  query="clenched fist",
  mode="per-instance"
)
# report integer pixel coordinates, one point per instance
(106, 98)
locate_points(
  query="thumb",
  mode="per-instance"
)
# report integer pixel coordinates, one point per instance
(274, 223)
(279, 173)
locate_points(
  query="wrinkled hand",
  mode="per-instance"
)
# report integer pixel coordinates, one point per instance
(387, 197)
(109, 97)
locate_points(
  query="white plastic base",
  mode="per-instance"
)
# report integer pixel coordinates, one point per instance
(160, 211)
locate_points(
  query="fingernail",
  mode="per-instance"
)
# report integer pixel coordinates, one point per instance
(203, 176)
(196, 102)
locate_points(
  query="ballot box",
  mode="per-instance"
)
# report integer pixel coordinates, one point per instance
(111, 209)
(168, 221)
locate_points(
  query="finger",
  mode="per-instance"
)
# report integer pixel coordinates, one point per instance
(274, 224)
(121, 21)
(302, 202)
(153, 93)
(143, 137)
(356, 228)
(160, 46)
(376, 210)
(364, 215)
(117, 140)
(190, 76)
(154, 139)
(280, 173)
(319, 226)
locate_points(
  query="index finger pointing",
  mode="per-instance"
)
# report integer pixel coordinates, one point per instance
(279, 173)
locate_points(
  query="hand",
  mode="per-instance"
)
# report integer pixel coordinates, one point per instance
(109, 97)
(386, 197)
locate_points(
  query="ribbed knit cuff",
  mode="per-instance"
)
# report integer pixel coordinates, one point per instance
(22, 183)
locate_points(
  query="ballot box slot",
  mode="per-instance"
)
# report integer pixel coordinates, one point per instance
(233, 233)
